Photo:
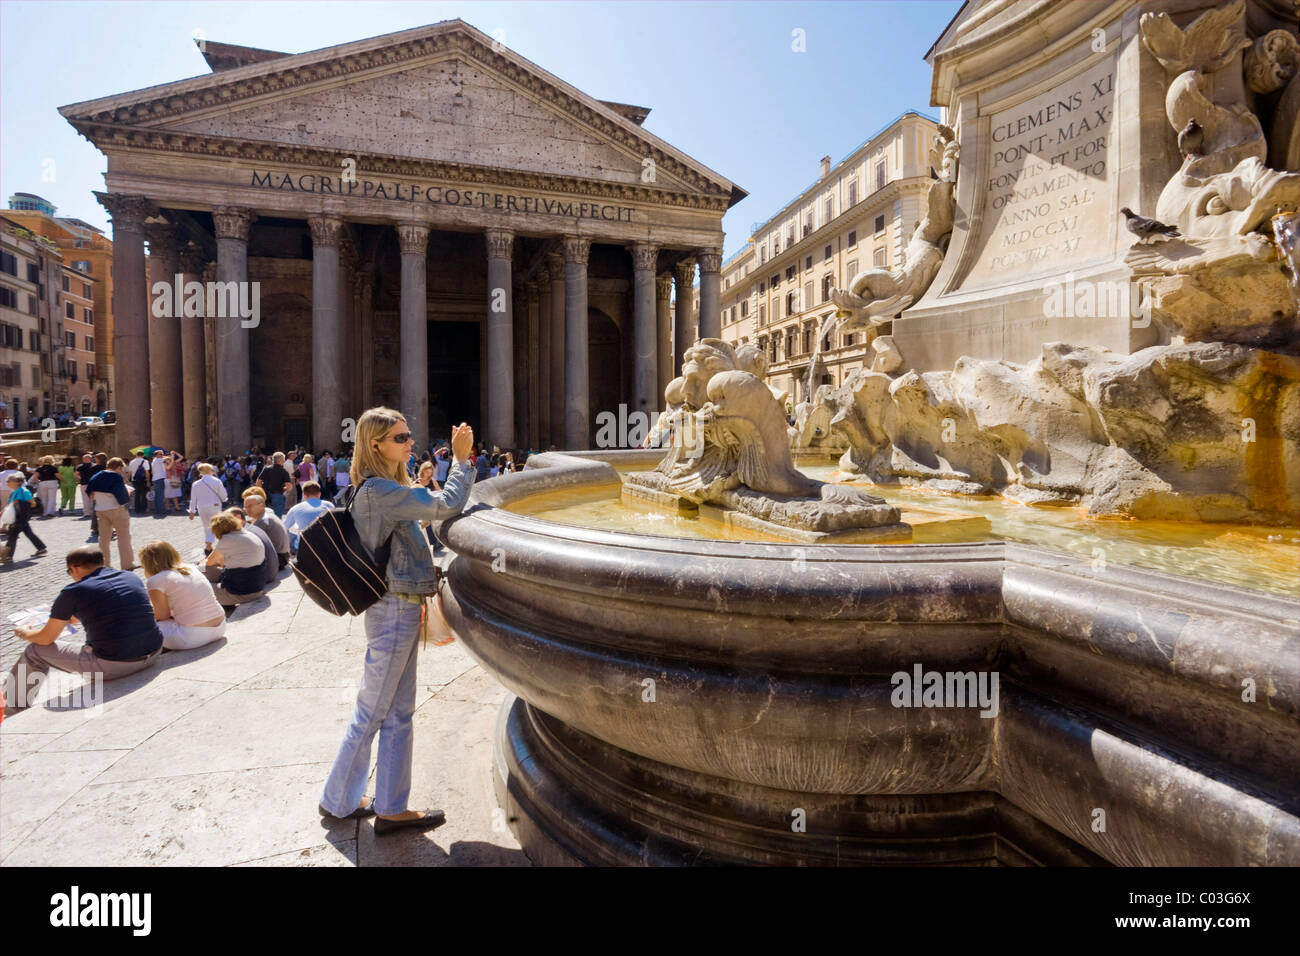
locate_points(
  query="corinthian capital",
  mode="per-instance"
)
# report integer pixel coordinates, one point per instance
(644, 256)
(663, 285)
(500, 242)
(164, 238)
(685, 270)
(412, 238)
(576, 249)
(127, 212)
(326, 231)
(710, 260)
(192, 259)
(232, 222)
(555, 265)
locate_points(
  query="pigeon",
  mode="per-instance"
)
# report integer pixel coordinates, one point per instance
(1189, 140)
(1144, 228)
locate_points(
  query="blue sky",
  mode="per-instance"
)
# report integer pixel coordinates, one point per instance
(721, 78)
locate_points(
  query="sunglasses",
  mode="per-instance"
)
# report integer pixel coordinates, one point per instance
(401, 439)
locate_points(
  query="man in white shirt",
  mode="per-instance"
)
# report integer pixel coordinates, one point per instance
(138, 481)
(305, 512)
(158, 472)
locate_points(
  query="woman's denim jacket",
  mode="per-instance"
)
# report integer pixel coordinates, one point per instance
(382, 506)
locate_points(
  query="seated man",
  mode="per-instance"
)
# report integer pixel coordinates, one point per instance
(122, 636)
(305, 512)
(271, 563)
(235, 564)
(256, 513)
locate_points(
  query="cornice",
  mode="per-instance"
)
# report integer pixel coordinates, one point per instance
(247, 84)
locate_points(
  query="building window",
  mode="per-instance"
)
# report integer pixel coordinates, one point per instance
(807, 338)
(33, 340)
(826, 287)
(70, 339)
(789, 272)
(31, 305)
(771, 349)
(852, 270)
(789, 236)
(8, 297)
(807, 263)
(744, 308)
(880, 174)
(848, 340)
(776, 280)
(762, 313)
(878, 258)
(36, 377)
(85, 290)
(90, 343)
(830, 209)
(826, 254)
(807, 292)
(853, 193)
(727, 283)
(68, 311)
(88, 316)
(807, 228)
(33, 273)
(9, 263)
(791, 306)
(90, 369)
(66, 284)
(853, 238)
(880, 224)
(762, 286)
(791, 342)
(86, 266)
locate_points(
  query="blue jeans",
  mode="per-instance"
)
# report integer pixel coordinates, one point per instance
(159, 498)
(385, 704)
(277, 505)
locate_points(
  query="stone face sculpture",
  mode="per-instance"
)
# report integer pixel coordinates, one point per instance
(730, 446)
(1223, 279)
(1207, 431)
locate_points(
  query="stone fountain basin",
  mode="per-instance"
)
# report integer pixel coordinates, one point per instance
(1120, 690)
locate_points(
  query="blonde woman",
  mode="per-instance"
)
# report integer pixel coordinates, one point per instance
(47, 489)
(207, 498)
(388, 508)
(184, 604)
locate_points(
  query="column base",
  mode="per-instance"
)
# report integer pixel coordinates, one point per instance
(573, 800)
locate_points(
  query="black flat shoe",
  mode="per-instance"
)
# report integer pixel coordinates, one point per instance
(428, 820)
(360, 813)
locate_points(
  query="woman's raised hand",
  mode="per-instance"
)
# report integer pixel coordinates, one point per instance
(462, 440)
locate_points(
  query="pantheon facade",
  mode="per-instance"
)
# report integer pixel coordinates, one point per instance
(431, 222)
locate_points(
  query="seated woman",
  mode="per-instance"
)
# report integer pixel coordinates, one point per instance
(235, 564)
(184, 606)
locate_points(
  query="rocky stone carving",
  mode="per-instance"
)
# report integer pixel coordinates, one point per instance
(729, 446)
(1207, 431)
(1223, 279)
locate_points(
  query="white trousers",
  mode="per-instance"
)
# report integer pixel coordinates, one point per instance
(178, 637)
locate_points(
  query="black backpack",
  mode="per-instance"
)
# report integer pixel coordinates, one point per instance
(333, 566)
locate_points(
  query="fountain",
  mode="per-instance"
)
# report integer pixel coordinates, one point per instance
(717, 658)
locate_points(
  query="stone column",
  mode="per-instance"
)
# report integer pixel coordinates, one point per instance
(365, 334)
(234, 421)
(500, 383)
(536, 287)
(326, 402)
(194, 396)
(165, 339)
(519, 355)
(555, 269)
(664, 326)
(347, 334)
(414, 336)
(544, 360)
(130, 318)
(710, 320)
(645, 366)
(683, 314)
(577, 400)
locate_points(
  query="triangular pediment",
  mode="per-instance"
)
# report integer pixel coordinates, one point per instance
(444, 94)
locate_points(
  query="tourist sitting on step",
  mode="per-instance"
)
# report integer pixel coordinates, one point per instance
(235, 563)
(256, 513)
(184, 604)
(271, 561)
(122, 636)
(304, 512)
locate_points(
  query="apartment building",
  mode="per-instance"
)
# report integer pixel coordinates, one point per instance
(88, 255)
(24, 316)
(859, 214)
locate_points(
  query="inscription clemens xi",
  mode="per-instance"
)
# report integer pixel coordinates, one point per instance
(438, 195)
(1046, 206)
